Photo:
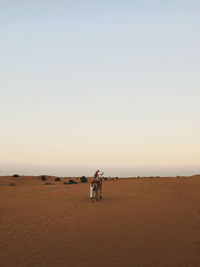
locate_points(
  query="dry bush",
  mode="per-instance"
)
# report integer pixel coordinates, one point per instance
(72, 182)
(83, 179)
(43, 178)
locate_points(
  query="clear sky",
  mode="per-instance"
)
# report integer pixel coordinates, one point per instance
(113, 85)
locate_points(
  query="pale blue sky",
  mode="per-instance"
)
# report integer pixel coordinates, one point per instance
(113, 85)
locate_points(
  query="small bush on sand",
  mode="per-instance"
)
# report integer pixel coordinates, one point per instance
(16, 175)
(43, 178)
(12, 184)
(83, 179)
(116, 177)
(47, 183)
(72, 182)
(57, 179)
(65, 182)
(105, 178)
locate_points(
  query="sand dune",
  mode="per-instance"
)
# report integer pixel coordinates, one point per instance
(139, 222)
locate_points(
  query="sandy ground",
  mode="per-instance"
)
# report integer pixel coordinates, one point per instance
(139, 222)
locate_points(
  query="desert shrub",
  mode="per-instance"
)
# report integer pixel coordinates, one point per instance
(16, 175)
(105, 178)
(47, 183)
(12, 184)
(43, 178)
(57, 179)
(83, 179)
(116, 177)
(157, 176)
(65, 182)
(72, 182)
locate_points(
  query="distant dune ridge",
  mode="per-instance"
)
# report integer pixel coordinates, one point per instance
(139, 222)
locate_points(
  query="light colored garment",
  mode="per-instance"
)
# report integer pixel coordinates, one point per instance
(91, 191)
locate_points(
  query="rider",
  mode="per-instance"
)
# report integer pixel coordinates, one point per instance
(97, 177)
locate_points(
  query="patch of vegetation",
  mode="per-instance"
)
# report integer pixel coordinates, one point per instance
(105, 178)
(65, 182)
(116, 177)
(72, 182)
(12, 184)
(57, 179)
(43, 178)
(47, 183)
(16, 175)
(83, 179)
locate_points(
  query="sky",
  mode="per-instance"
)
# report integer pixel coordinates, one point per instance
(109, 85)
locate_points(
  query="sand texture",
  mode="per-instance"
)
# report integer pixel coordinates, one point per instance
(139, 222)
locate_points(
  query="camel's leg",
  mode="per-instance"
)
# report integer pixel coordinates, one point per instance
(94, 194)
(97, 194)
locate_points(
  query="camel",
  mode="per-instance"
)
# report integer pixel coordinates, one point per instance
(95, 190)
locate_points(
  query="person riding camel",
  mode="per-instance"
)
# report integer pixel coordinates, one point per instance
(96, 185)
(97, 179)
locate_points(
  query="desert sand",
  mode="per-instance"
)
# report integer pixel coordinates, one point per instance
(138, 222)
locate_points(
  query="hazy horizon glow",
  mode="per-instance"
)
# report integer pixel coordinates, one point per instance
(87, 84)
